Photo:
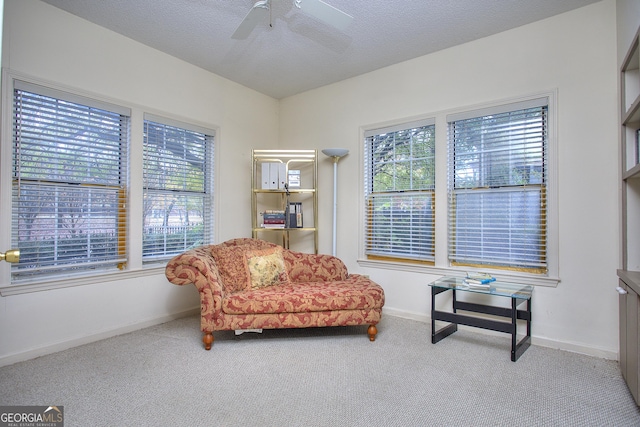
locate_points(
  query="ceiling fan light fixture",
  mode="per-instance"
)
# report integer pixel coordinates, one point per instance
(256, 15)
(325, 12)
(315, 8)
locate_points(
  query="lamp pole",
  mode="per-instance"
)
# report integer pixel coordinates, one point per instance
(335, 154)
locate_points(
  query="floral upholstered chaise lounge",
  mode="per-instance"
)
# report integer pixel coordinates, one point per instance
(253, 284)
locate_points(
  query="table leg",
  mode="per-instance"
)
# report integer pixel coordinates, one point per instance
(517, 348)
(433, 314)
(446, 330)
(514, 328)
(529, 316)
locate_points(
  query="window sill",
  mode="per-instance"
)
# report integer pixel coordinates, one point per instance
(67, 282)
(506, 276)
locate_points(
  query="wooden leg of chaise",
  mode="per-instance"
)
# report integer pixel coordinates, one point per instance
(372, 331)
(207, 339)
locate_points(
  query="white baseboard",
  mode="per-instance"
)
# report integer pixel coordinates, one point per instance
(64, 345)
(420, 317)
(535, 340)
(601, 353)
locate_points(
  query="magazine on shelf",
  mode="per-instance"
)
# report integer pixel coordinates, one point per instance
(478, 280)
(293, 178)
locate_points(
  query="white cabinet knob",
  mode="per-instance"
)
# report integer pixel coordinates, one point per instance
(621, 291)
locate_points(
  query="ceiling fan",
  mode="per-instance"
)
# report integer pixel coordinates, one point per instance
(316, 8)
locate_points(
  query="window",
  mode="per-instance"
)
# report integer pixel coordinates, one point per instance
(69, 178)
(399, 192)
(178, 188)
(498, 187)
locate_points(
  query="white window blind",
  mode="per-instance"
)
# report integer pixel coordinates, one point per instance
(69, 183)
(399, 191)
(497, 187)
(178, 188)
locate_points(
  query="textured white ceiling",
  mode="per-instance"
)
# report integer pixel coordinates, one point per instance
(297, 52)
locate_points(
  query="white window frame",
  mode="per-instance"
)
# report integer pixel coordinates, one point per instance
(442, 266)
(134, 268)
(85, 187)
(481, 174)
(207, 193)
(383, 247)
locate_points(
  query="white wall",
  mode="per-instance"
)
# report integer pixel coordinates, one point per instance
(52, 46)
(575, 54)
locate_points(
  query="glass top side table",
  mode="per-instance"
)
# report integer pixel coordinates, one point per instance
(518, 294)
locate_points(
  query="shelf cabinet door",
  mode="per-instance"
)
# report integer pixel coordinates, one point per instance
(629, 339)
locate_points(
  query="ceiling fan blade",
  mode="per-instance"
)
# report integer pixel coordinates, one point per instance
(325, 13)
(253, 18)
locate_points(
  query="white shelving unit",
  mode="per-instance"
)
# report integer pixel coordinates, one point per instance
(629, 274)
(273, 196)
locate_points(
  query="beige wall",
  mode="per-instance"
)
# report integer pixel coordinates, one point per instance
(46, 44)
(572, 54)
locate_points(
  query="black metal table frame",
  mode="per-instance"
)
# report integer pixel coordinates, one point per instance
(455, 319)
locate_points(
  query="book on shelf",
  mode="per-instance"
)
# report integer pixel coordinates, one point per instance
(282, 176)
(274, 168)
(479, 278)
(273, 219)
(274, 175)
(274, 222)
(278, 218)
(295, 215)
(266, 176)
(267, 225)
(272, 214)
(475, 284)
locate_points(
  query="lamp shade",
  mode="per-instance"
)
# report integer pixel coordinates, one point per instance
(335, 152)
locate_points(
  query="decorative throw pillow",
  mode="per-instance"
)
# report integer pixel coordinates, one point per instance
(265, 267)
(231, 266)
